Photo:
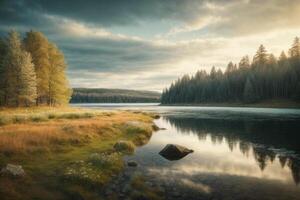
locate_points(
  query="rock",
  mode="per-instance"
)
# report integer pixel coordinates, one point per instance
(132, 164)
(174, 152)
(15, 170)
(155, 127)
(94, 156)
(156, 116)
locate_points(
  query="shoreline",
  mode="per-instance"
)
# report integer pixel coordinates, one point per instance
(264, 104)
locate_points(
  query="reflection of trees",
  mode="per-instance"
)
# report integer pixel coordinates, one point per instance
(262, 155)
(245, 148)
(294, 164)
(243, 135)
(282, 160)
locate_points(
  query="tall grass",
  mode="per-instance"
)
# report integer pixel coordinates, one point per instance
(8, 117)
(22, 134)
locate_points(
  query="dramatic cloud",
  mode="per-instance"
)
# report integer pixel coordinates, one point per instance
(144, 44)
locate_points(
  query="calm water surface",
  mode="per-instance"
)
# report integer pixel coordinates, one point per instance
(239, 153)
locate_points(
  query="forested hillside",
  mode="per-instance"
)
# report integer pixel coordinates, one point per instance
(32, 71)
(100, 95)
(265, 78)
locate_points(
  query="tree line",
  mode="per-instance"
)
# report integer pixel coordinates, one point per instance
(32, 71)
(77, 98)
(266, 77)
(100, 95)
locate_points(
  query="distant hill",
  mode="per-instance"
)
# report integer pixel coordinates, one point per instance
(101, 95)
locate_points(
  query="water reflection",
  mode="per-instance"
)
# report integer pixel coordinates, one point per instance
(239, 153)
(269, 142)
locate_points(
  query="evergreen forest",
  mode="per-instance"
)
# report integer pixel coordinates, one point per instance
(265, 78)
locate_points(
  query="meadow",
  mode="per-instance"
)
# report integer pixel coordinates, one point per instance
(67, 153)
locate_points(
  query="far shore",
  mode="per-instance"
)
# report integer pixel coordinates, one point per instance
(264, 104)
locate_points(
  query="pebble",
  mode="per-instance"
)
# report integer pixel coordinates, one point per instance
(132, 164)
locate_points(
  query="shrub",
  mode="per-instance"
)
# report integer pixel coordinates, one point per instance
(19, 119)
(105, 160)
(39, 118)
(5, 120)
(134, 127)
(124, 147)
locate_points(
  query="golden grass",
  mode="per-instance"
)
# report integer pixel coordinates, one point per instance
(44, 136)
(40, 114)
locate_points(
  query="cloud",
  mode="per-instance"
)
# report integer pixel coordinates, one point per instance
(106, 12)
(241, 18)
(113, 44)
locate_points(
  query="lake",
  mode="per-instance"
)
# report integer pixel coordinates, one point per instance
(239, 153)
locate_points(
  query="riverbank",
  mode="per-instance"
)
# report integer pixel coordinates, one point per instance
(66, 153)
(264, 104)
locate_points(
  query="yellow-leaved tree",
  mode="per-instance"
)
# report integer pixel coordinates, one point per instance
(50, 66)
(59, 90)
(37, 45)
(19, 74)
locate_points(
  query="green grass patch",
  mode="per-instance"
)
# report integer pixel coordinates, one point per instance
(126, 147)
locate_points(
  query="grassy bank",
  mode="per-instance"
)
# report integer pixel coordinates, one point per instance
(66, 153)
(276, 103)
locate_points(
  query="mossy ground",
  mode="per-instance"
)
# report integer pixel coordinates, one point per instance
(57, 152)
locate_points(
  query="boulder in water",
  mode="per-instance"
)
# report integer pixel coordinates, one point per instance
(174, 152)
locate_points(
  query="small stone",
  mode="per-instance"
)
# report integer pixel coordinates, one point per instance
(15, 170)
(132, 164)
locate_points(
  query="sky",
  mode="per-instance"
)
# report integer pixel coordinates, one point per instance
(147, 44)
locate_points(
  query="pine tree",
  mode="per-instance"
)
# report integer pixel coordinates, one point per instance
(261, 56)
(37, 45)
(282, 57)
(244, 63)
(230, 68)
(295, 49)
(294, 72)
(249, 93)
